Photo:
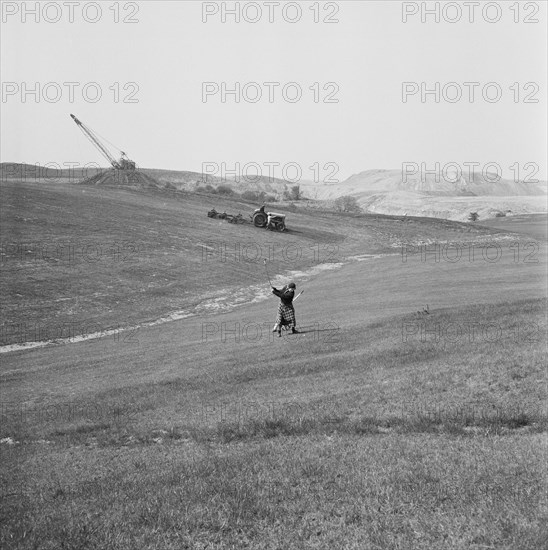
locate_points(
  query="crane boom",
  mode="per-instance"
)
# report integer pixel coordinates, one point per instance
(123, 164)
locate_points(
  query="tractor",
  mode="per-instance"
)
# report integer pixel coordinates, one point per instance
(271, 220)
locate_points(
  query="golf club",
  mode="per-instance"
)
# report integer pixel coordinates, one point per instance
(266, 270)
(298, 295)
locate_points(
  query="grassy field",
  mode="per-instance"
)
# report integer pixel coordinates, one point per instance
(76, 259)
(379, 427)
(534, 225)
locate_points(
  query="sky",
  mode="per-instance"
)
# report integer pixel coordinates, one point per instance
(149, 76)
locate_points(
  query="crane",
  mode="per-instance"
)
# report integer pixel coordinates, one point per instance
(124, 163)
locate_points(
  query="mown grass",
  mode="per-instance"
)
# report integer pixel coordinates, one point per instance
(388, 491)
(368, 440)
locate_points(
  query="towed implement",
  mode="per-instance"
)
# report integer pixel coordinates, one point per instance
(230, 218)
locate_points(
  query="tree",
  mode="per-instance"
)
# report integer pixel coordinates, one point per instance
(347, 203)
(473, 217)
(296, 193)
(293, 194)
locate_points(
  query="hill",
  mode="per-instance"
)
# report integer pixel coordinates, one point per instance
(145, 177)
(376, 191)
(163, 252)
(383, 181)
(387, 192)
(12, 171)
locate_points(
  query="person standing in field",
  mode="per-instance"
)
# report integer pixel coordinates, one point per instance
(286, 311)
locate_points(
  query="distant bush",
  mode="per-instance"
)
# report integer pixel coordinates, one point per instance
(251, 196)
(473, 217)
(225, 190)
(293, 194)
(500, 215)
(347, 203)
(270, 198)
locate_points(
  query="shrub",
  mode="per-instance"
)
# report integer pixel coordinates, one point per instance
(473, 217)
(225, 190)
(250, 196)
(347, 203)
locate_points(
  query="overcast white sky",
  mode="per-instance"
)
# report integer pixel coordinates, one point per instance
(169, 52)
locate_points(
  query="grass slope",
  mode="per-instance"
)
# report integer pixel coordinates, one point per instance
(364, 443)
(376, 428)
(93, 259)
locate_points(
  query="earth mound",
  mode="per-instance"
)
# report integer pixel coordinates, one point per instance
(123, 178)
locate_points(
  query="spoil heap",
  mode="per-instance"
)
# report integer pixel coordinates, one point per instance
(123, 178)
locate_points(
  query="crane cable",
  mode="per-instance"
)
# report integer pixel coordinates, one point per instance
(104, 139)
